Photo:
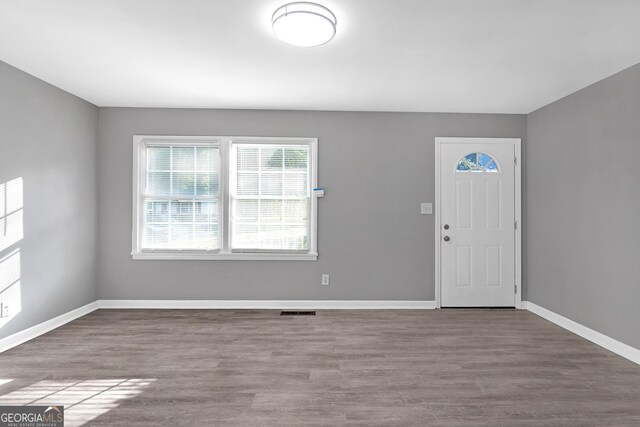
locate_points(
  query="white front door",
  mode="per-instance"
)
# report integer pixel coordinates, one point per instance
(477, 224)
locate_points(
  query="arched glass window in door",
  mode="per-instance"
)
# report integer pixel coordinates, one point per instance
(477, 162)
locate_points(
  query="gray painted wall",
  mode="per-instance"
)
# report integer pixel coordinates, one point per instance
(581, 202)
(48, 137)
(583, 206)
(376, 169)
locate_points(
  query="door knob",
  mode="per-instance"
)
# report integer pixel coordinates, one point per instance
(447, 238)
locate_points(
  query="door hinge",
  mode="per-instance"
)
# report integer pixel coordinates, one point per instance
(515, 161)
(515, 289)
(515, 225)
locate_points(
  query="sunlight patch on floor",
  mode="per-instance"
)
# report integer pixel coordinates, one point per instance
(83, 401)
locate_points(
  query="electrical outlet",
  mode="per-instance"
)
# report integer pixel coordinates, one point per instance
(325, 280)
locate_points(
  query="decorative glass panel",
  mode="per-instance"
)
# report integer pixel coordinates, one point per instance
(477, 162)
(483, 159)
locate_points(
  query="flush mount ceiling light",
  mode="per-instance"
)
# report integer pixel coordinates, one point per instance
(304, 24)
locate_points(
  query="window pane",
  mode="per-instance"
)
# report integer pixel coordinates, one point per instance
(159, 158)
(477, 162)
(183, 158)
(296, 209)
(270, 206)
(207, 211)
(271, 210)
(296, 158)
(207, 184)
(483, 159)
(183, 184)
(181, 236)
(247, 184)
(270, 236)
(247, 158)
(157, 236)
(207, 159)
(471, 159)
(192, 222)
(271, 158)
(207, 236)
(271, 184)
(181, 211)
(158, 183)
(246, 209)
(295, 237)
(295, 184)
(462, 166)
(157, 211)
(245, 235)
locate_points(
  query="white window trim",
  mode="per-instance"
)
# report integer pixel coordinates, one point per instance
(224, 142)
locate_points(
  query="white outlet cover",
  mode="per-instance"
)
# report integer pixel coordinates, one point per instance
(426, 208)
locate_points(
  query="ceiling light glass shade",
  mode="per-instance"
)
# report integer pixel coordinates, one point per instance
(304, 24)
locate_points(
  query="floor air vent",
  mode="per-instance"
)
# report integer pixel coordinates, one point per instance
(297, 313)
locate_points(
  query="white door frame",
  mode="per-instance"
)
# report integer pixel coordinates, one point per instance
(518, 208)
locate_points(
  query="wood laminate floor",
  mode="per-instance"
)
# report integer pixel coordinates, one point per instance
(360, 367)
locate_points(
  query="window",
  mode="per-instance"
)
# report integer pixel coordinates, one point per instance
(224, 198)
(477, 162)
(270, 197)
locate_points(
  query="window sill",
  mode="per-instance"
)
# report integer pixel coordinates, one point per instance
(203, 256)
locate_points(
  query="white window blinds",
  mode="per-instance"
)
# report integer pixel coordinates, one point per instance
(181, 197)
(270, 197)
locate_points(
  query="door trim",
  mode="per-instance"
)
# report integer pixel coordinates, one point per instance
(439, 141)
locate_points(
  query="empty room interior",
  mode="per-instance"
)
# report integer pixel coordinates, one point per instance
(338, 212)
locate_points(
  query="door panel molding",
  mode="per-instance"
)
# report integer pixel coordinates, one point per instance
(516, 143)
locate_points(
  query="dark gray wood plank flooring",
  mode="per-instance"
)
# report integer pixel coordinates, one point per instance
(360, 367)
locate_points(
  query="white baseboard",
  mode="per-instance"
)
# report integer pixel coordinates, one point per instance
(44, 327)
(596, 337)
(18, 338)
(267, 304)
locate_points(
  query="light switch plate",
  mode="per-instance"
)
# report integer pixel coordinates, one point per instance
(426, 208)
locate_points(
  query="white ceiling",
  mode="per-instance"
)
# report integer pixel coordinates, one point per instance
(505, 56)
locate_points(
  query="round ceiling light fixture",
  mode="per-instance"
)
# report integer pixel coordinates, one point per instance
(304, 24)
